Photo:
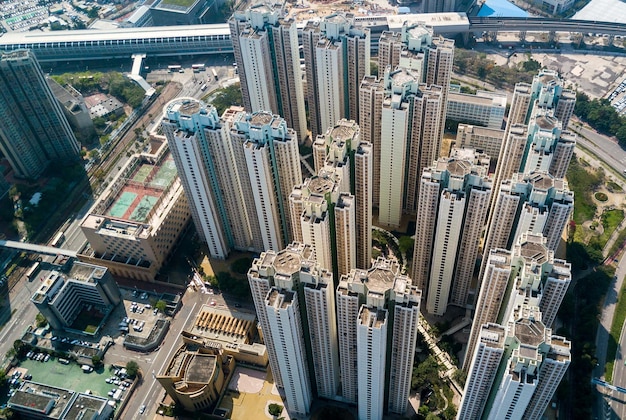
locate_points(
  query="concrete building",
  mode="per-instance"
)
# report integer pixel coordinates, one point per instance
(488, 140)
(64, 297)
(195, 376)
(168, 12)
(532, 273)
(546, 91)
(34, 132)
(453, 203)
(33, 400)
(285, 285)
(346, 161)
(336, 57)
(536, 202)
(205, 158)
(265, 46)
(137, 221)
(74, 109)
(515, 376)
(410, 123)
(416, 69)
(483, 108)
(386, 304)
(224, 162)
(482, 371)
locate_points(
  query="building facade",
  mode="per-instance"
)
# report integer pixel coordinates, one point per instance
(265, 46)
(336, 57)
(34, 132)
(453, 204)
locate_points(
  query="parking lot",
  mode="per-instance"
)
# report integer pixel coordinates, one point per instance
(102, 382)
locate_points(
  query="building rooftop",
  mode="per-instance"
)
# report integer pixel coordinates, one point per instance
(372, 317)
(222, 325)
(533, 248)
(540, 180)
(41, 398)
(261, 118)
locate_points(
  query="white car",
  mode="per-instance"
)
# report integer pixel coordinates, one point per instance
(142, 409)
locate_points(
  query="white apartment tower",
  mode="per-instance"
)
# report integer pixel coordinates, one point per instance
(270, 153)
(546, 91)
(410, 122)
(337, 57)
(203, 154)
(283, 315)
(492, 292)
(371, 344)
(533, 276)
(235, 171)
(515, 376)
(284, 286)
(265, 45)
(371, 95)
(363, 347)
(342, 152)
(535, 202)
(482, 371)
(452, 210)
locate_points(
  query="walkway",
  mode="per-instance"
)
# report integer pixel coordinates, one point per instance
(39, 249)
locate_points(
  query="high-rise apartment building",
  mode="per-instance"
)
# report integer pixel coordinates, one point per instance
(452, 209)
(513, 375)
(532, 273)
(360, 347)
(237, 172)
(484, 366)
(403, 115)
(410, 123)
(386, 303)
(284, 286)
(546, 91)
(265, 45)
(34, 131)
(536, 203)
(337, 57)
(348, 160)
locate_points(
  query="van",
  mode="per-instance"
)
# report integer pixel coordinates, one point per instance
(64, 361)
(87, 368)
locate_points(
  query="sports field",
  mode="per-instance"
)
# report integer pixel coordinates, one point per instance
(142, 191)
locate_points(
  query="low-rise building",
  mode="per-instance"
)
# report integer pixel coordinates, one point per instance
(483, 108)
(137, 221)
(85, 291)
(37, 401)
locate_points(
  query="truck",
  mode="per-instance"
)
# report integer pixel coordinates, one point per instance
(214, 73)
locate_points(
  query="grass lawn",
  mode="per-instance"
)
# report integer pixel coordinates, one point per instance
(616, 329)
(583, 182)
(183, 3)
(610, 221)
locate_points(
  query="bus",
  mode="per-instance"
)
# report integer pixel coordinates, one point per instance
(214, 73)
(197, 67)
(32, 271)
(58, 239)
(173, 68)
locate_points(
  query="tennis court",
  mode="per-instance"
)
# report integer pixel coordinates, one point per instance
(165, 175)
(119, 208)
(140, 213)
(142, 173)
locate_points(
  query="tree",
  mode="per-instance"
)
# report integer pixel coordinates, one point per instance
(40, 320)
(275, 409)
(96, 361)
(161, 305)
(132, 368)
